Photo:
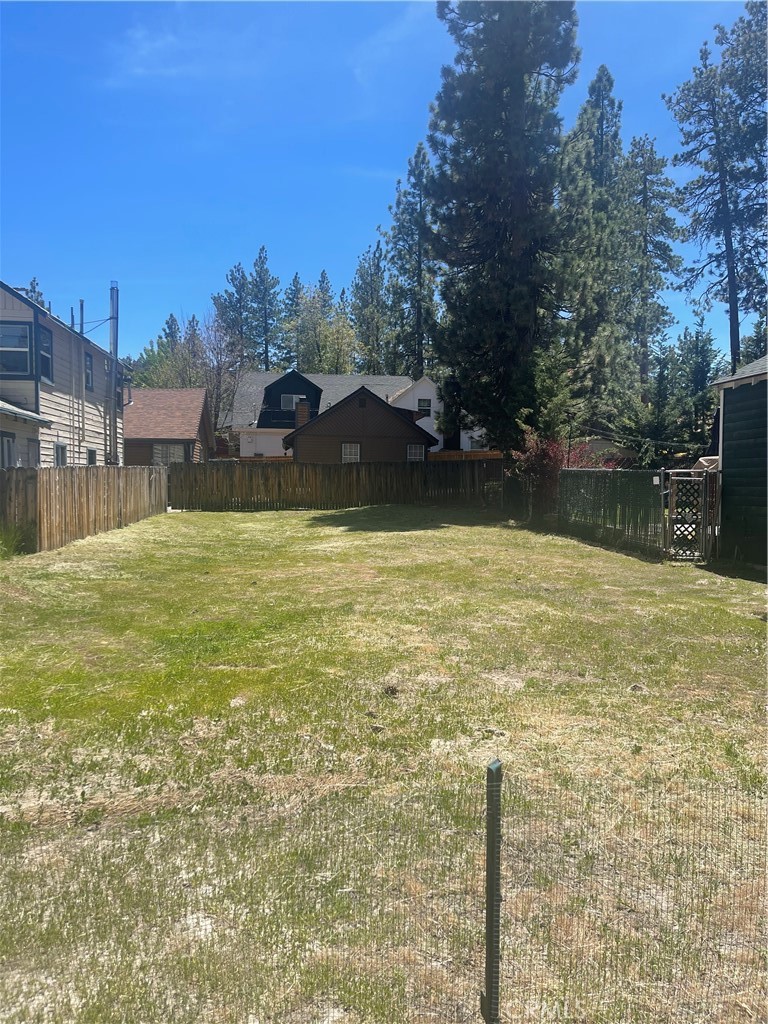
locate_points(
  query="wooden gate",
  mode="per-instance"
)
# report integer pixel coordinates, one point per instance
(692, 513)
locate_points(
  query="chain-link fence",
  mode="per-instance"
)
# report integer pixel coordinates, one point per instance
(338, 904)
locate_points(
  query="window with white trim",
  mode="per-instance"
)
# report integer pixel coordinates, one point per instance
(88, 371)
(59, 455)
(415, 453)
(14, 349)
(350, 453)
(425, 405)
(289, 402)
(90, 454)
(478, 444)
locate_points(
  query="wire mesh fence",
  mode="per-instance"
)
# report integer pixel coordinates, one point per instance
(615, 507)
(349, 904)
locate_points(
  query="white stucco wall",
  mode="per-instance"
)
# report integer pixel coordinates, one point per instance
(425, 388)
(262, 442)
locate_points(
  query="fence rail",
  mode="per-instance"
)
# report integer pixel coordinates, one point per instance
(248, 487)
(52, 507)
(616, 507)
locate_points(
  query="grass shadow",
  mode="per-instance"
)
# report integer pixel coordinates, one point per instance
(738, 571)
(409, 518)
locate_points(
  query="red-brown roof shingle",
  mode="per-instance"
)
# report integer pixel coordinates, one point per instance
(164, 414)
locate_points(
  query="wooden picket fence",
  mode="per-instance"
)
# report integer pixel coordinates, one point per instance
(48, 508)
(250, 487)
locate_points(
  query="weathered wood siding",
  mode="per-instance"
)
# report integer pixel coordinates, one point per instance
(53, 507)
(383, 436)
(743, 517)
(80, 416)
(261, 486)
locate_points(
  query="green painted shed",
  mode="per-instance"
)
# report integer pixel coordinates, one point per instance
(744, 463)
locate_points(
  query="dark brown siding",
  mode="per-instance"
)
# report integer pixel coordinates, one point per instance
(372, 449)
(383, 435)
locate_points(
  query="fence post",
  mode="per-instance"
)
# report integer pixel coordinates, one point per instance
(489, 999)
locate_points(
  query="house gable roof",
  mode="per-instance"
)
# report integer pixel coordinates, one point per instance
(45, 314)
(758, 368)
(168, 414)
(402, 415)
(334, 387)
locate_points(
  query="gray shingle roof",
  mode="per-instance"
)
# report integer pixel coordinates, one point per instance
(335, 386)
(753, 369)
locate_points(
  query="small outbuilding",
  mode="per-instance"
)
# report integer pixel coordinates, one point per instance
(164, 425)
(361, 428)
(743, 463)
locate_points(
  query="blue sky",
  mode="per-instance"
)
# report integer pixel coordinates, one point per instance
(158, 144)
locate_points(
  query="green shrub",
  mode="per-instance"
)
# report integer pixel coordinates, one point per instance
(16, 540)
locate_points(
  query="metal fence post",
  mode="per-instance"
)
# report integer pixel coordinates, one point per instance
(489, 999)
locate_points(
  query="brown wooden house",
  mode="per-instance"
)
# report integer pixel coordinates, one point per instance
(360, 428)
(164, 425)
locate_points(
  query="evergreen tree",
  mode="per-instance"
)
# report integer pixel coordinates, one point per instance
(326, 297)
(647, 195)
(494, 133)
(290, 320)
(265, 298)
(660, 414)
(594, 258)
(412, 268)
(370, 315)
(175, 359)
(339, 345)
(236, 318)
(754, 345)
(720, 113)
(699, 363)
(314, 332)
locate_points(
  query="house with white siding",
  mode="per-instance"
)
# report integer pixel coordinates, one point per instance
(61, 395)
(269, 406)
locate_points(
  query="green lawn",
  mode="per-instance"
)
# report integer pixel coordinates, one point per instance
(198, 669)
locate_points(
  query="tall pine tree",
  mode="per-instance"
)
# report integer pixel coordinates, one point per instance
(720, 113)
(647, 196)
(593, 258)
(412, 267)
(494, 133)
(265, 299)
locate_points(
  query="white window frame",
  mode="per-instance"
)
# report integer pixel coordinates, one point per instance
(59, 454)
(288, 403)
(91, 457)
(415, 453)
(350, 452)
(15, 349)
(424, 405)
(478, 444)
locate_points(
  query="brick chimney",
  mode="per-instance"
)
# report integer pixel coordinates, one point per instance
(302, 413)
